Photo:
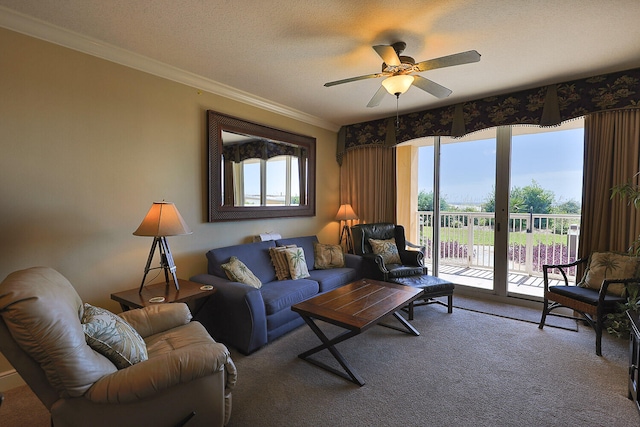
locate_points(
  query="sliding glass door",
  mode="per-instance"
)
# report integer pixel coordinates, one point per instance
(463, 246)
(509, 201)
(544, 203)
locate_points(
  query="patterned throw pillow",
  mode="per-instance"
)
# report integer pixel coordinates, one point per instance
(387, 249)
(327, 256)
(610, 265)
(111, 336)
(238, 272)
(297, 263)
(279, 261)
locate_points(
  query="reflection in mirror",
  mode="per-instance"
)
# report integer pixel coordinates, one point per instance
(258, 172)
(262, 172)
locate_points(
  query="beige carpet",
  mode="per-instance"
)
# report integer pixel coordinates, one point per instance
(465, 369)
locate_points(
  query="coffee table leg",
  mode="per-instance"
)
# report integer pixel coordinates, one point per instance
(406, 324)
(329, 344)
(408, 328)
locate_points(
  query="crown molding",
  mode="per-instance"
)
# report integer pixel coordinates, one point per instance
(42, 30)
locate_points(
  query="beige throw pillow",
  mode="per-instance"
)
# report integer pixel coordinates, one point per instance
(111, 336)
(387, 249)
(297, 263)
(238, 272)
(327, 256)
(609, 265)
(280, 262)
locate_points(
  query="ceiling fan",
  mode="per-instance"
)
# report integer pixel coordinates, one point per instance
(398, 70)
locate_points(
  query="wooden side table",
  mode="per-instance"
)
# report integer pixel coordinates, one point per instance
(189, 291)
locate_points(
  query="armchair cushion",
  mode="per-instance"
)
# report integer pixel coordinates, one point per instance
(609, 265)
(238, 272)
(112, 337)
(48, 329)
(387, 249)
(586, 295)
(157, 318)
(327, 256)
(178, 356)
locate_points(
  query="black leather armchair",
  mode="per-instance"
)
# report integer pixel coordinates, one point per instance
(374, 266)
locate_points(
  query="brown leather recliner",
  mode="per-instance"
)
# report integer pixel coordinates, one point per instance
(187, 378)
(374, 266)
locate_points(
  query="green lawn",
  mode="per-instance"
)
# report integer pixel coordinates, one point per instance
(485, 236)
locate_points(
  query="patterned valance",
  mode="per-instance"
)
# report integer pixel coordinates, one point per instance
(261, 149)
(543, 106)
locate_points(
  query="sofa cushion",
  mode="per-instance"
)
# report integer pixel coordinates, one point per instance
(113, 337)
(254, 255)
(238, 272)
(282, 294)
(387, 249)
(280, 262)
(327, 256)
(333, 278)
(297, 263)
(306, 243)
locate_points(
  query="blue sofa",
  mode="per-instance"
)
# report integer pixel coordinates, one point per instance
(247, 318)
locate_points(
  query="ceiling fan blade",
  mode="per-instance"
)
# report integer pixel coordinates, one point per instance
(377, 98)
(432, 87)
(388, 54)
(448, 61)
(355, 79)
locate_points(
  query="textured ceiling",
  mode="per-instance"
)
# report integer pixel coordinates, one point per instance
(284, 51)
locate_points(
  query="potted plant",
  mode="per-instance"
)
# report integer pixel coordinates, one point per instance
(618, 322)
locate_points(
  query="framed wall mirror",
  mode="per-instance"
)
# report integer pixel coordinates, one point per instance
(256, 171)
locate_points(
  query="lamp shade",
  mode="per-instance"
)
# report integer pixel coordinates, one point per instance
(163, 219)
(345, 213)
(397, 85)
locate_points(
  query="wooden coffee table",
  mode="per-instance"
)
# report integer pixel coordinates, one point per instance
(355, 307)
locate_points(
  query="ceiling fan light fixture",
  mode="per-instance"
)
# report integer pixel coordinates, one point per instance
(397, 85)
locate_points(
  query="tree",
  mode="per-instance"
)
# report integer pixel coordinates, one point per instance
(524, 199)
(531, 198)
(425, 202)
(490, 203)
(569, 207)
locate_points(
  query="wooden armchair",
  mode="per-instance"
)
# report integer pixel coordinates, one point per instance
(602, 289)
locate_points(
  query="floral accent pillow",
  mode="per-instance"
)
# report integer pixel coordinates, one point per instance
(610, 265)
(387, 249)
(238, 272)
(280, 262)
(297, 263)
(111, 336)
(327, 256)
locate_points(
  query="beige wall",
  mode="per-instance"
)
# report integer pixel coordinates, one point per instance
(407, 187)
(87, 146)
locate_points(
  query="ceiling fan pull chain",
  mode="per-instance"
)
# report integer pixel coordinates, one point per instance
(397, 113)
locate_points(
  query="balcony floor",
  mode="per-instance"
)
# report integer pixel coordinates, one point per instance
(519, 283)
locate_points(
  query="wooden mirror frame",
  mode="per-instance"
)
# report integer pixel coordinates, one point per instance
(217, 122)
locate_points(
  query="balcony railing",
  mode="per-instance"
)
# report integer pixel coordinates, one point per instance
(466, 240)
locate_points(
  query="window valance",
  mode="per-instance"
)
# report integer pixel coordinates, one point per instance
(543, 106)
(261, 149)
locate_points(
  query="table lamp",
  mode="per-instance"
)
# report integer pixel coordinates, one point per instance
(162, 220)
(346, 213)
